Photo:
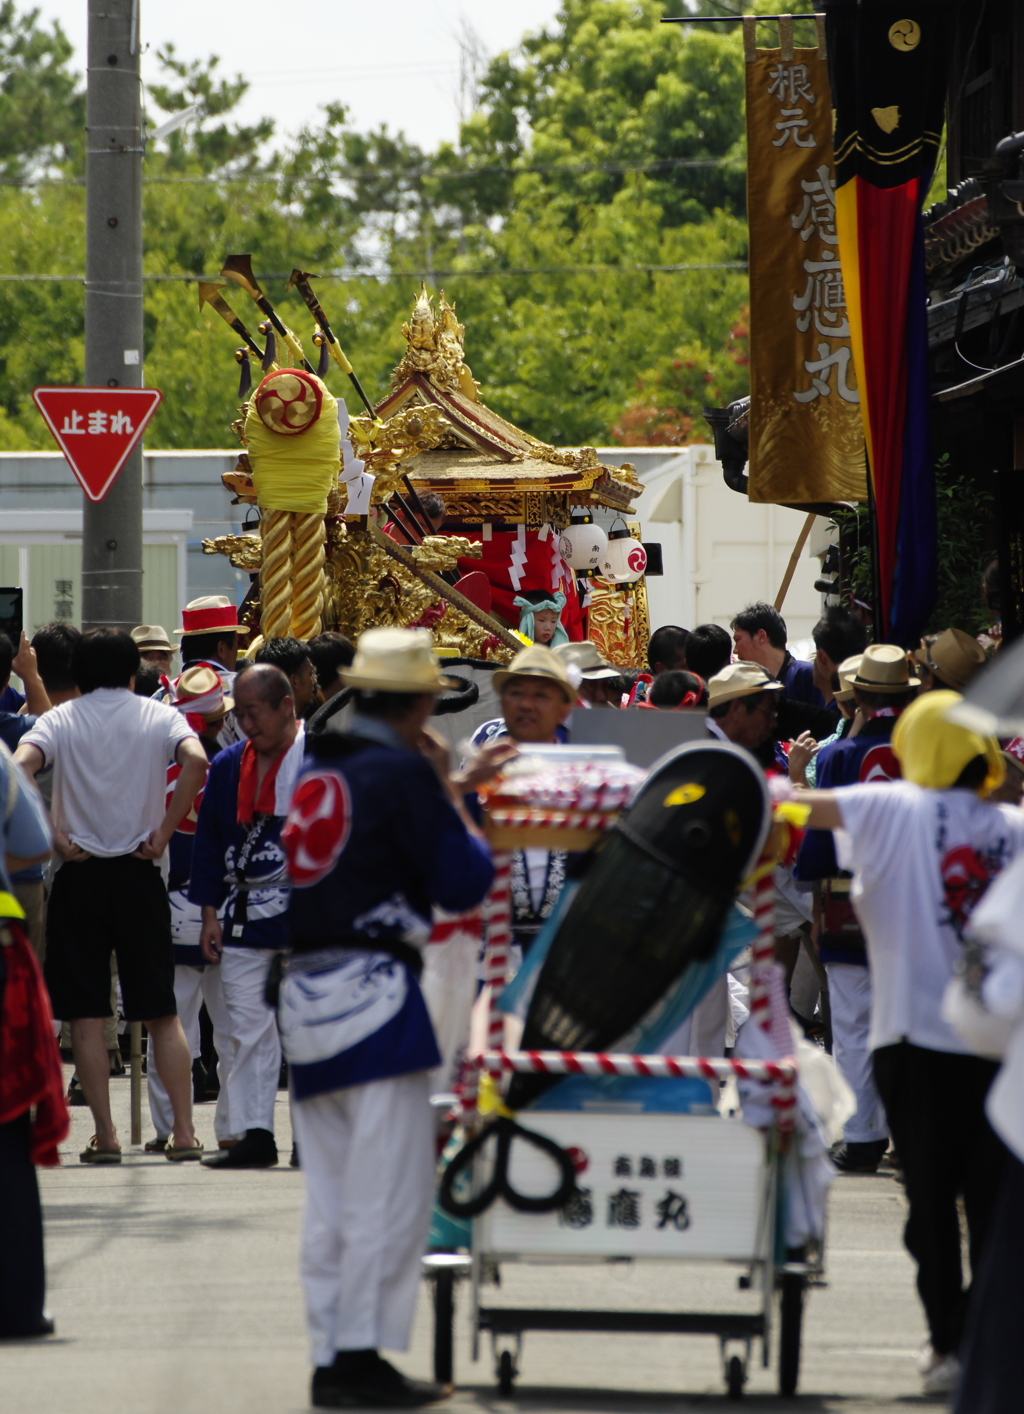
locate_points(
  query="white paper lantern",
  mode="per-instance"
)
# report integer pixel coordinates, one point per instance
(581, 544)
(625, 559)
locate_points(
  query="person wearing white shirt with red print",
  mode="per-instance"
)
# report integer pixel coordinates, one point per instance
(923, 852)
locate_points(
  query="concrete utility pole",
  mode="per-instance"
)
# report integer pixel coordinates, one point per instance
(112, 528)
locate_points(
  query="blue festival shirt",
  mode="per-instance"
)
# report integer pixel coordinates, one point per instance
(218, 840)
(184, 913)
(851, 760)
(797, 677)
(13, 726)
(373, 843)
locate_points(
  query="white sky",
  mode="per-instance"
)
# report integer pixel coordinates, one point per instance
(393, 61)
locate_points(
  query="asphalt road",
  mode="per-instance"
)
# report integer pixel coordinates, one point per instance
(176, 1291)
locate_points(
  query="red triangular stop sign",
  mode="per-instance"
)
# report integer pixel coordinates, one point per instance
(96, 428)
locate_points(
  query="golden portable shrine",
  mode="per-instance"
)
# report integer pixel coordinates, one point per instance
(428, 508)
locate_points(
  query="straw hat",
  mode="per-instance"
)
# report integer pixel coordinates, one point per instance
(884, 668)
(200, 691)
(847, 671)
(152, 638)
(537, 662)
(739, 680)
(587, 660)
(213, 613)
(954, 658)
(396, 660)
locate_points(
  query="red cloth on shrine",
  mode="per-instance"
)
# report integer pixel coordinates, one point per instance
(30, 1071)
(515, 564)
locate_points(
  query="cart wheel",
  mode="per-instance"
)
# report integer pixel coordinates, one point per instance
(791, 1315)
(735, 1377)
(506, 1374)
(444, 1318)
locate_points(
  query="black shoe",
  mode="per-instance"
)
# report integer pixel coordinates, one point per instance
(117, 1065)
(76, 1095)
(293, 1162)
(858, 1158)
(256, 1151)
(43, 1327)
(363, 1380)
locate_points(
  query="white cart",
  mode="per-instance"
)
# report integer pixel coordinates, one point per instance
(650, 1187)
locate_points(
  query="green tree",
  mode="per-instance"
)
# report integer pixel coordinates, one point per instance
(566, 179)
(611, 89)
(42, 103)
(207, 146)
(963, 543)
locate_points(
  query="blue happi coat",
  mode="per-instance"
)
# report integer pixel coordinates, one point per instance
(373, 844)
(851, 760)
(219, 838)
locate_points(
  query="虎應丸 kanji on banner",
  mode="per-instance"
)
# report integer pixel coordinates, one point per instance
(96, 428)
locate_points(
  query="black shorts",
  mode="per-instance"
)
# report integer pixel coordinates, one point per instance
(102, 906)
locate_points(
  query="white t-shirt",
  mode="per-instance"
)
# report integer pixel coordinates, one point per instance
(997, 923)
(921, 859)
(110, 752)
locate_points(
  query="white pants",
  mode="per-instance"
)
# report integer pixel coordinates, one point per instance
(449, 989)
(804, 989)
(849, 991)
(702, 1033)
(192, 987)
(254, 1048)
(368, 1163)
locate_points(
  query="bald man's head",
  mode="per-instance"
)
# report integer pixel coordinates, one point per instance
(262, 683)
(265, 709)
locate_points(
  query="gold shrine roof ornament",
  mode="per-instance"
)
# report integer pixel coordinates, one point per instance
(482, 464)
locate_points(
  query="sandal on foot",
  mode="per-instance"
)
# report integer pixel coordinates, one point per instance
(177, 1156)
(93, 1154)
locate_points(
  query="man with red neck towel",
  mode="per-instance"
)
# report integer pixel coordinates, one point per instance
(238, 867)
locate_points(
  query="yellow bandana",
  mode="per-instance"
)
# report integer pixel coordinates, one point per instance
(933, 751)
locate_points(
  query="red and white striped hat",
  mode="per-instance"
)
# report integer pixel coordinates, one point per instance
(212, 613)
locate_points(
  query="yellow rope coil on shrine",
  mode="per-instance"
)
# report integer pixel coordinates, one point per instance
(295, 473)
(307, 574)
(275, 574)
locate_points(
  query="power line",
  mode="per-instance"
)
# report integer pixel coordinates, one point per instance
(434, 274)
(408, 174)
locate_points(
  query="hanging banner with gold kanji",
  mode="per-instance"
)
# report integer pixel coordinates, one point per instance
(806, 436)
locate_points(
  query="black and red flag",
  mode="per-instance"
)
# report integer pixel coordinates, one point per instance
(888, 65)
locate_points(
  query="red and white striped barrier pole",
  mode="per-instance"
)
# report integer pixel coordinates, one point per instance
(498, 922)
(553, 820)
(612, 1063)
(767, 991)
(762, 949)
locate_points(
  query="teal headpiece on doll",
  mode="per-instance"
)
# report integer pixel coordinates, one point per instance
(528, 607)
